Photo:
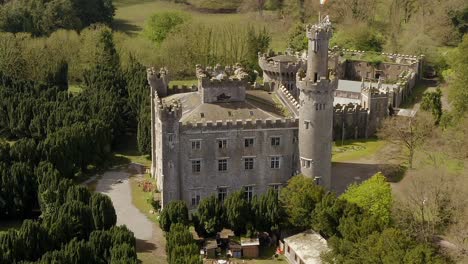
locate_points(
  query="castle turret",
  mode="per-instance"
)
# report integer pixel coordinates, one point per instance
(316, 107)
(158, 81)
(167, 150)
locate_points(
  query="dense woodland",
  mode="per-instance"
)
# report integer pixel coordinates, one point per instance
(59, 136)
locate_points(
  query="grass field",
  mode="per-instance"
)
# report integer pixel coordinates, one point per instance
(74, 89)
(356, 149)
(139, 197)
(127, 152)
(131, 15)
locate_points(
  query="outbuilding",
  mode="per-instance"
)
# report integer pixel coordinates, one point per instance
(250, 247)
(305, 248)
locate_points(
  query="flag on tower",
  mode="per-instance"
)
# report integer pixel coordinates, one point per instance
(322, 2)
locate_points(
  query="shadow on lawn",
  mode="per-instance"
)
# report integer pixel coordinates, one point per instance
(144, 246)
(344, 174)
(126, 26)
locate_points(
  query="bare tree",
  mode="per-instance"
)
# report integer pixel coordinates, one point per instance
(430, 202)
(411, 132)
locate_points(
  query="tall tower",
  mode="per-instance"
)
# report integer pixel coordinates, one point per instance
(316, 107)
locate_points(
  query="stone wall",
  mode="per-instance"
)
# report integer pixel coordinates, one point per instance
(261, 177)
(349, 122)
(229, 90)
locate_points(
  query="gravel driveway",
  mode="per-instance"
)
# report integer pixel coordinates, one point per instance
(127, 213)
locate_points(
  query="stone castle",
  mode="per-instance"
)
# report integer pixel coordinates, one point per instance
(226, 134)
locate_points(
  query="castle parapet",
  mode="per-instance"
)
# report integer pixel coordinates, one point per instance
(170, 110)
(158, 80)
(177, 89)
(222, 125)
(391, 57)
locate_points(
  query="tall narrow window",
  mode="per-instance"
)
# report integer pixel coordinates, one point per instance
(195, 198)
(275, 141)
(315, 77)
(222, 143)
(196, 144)
(196, 166)
(249, 192)
(222, 193)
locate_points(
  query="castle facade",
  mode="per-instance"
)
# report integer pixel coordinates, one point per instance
(225, 134)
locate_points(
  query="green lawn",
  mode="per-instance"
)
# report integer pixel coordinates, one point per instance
(140, 198)
(126, 152)
(74, 89)
(356, 149)
(131, 15)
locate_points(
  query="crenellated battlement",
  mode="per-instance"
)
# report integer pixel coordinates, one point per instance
(267, 64)
(241, 124)
(158, 80)
(323, 27)
(177, 89)
(321, 84)
(289, 96)
(169, 110)
(220, 73)
(209, 83)
(403, 59)
(349, 108)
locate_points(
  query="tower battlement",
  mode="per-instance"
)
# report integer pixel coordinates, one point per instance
(270, 65)
(323, 27)
(170, 110)
(158, 80)
(220, 73)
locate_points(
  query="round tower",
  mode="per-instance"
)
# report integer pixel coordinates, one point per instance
(316, 107)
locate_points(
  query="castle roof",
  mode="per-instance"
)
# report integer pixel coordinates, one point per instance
(259, 104)
(355, 86)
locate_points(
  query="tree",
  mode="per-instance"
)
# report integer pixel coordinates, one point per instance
(78, 193)
(173, 213)
(432, 201)
(35, 240)
(103, 211)
(237, 210)
(411, 132)
(210, 213)
(432, 102)
(267, 211)
(359, 36)
(374, 195)
(160, 25)
(180, 246)
(123, 253)
(458, 78)
(299, 199)
(257, 42)
(297, 39)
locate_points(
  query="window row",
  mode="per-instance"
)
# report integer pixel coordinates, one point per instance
(222, 193)
(249, 164)
(222, 143)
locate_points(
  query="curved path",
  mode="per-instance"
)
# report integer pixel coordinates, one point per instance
(121, 196)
